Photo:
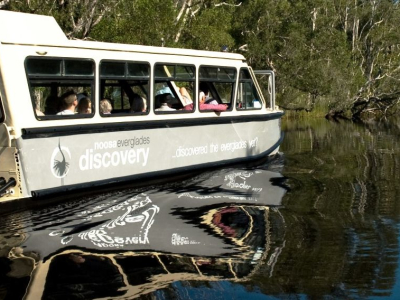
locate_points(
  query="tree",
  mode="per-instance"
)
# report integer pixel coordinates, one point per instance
(342, 56)
(139, 22)
(77, 18)
(209, 27)
(376, 50)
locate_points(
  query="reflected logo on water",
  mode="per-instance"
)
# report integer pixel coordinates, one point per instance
(178, 240)
(59, 164)
(119, 224)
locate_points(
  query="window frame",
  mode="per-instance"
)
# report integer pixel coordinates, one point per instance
(127, 79)
(234, 81)
(171, 86)
(46, 79)
(2, 114)
(254, 88)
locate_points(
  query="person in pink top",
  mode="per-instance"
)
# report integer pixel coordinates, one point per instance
(202, 104)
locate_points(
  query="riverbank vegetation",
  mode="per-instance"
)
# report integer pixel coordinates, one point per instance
(339, 58)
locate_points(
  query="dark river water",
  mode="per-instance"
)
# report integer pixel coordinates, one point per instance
(318, 221)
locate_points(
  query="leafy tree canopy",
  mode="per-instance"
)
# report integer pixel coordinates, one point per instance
(342, 55)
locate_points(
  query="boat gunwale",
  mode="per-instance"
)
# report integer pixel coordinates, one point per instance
(40, 132)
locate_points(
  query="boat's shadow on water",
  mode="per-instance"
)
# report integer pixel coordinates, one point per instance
(211, 227)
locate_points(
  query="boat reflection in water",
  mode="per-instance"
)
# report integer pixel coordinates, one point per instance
(211, 228)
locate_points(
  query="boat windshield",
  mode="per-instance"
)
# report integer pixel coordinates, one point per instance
(248, 97)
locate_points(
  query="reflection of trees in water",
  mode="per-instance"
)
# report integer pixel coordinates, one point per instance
(342, 212)
(230, 223)
(76, 276)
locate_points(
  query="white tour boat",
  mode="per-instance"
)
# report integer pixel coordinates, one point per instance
(128, 111)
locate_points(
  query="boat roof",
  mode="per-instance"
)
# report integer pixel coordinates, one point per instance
(39, 30)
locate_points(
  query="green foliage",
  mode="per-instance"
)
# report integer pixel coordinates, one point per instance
(140, 22)
(333, 54)
(209, 30)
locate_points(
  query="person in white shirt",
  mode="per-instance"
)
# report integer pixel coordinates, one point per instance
(69, 102)
(164, 104)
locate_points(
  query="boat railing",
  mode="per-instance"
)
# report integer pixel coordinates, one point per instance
(271, 83)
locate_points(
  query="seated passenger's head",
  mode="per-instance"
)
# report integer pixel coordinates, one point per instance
(204, 88)
(138, 104)
(84, 106)
(81, 96)
(105, 106)
(52, 105)
(202, 97)
(68, 99)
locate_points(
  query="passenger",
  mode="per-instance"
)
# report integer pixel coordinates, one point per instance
(204, 95)
(69, 103)
(81, 96)
(157, 100)
(164, 90)
(214, 107)
(52, 105)
(105, 107)
(164, 104)
(186, 96)
(202, 101)
(84, 106)
(138, 104)
(203, 88)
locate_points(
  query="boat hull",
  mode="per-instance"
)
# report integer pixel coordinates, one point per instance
(56, 160)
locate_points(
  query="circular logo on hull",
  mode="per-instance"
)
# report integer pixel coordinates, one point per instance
(59, 162)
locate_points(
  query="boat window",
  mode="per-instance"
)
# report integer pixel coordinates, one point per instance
(55, 83)
(174, 86)
(124, 88)
(247, 96)
(217, 85)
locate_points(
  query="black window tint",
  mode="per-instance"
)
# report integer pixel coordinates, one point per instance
(208, 73)
(49, 78)
(217, 73)
(164, 71)
(43, 66)
(174, 88)
(126, 87)
(185, 72)
(115, 69)
(247, 96)
(138, 70)
(217, 85)
(79, 67)
(244, 74)
(226, 74)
